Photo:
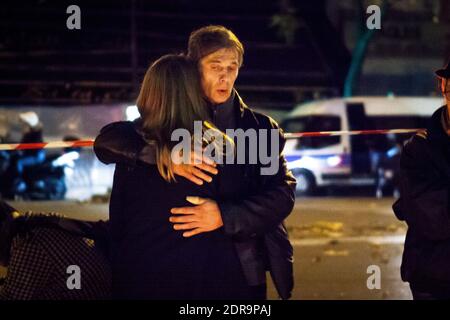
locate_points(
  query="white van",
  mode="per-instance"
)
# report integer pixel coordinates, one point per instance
(349, 159)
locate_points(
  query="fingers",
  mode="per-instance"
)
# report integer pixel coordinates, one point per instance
(183, 210)
(196, 200)
(200, 174)
(191, 178)
(193, 232)
(194, 174)
(198, 158)
(183, 219)
(207, 168)
(185, 226)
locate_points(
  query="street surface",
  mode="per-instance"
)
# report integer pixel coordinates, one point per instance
(335, 240)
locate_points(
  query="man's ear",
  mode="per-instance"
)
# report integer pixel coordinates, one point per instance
(443, 84)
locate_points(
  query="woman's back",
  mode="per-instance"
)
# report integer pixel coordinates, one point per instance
(151, 259)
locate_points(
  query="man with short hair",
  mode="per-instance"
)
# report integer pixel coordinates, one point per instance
(252, 206)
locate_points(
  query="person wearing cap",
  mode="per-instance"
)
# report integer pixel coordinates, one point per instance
(425, 203)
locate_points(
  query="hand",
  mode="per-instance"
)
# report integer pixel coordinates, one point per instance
(195, 171)
(205, 216)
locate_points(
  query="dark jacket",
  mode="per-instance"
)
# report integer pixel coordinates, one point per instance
(425, 205)
(253, 206)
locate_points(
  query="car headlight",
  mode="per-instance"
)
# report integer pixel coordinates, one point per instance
(334, 161)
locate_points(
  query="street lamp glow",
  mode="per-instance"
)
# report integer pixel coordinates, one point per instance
(132, 113)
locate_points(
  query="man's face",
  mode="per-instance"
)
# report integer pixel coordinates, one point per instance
(445, 88)
(219, 71)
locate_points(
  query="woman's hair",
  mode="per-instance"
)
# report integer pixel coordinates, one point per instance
(170, 98)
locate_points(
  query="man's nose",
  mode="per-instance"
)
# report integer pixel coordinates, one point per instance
(223, 77)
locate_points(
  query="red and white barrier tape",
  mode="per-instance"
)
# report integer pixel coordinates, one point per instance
(90, 143)
(350, 133)
(47, 145)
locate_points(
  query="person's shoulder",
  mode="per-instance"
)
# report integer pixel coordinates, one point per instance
(34, 238)
(417, 142)
(262, 120)
(255, 118)
(415, 150)
(119, 126)
(46, 234)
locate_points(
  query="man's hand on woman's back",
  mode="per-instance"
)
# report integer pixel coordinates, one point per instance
(198, 169)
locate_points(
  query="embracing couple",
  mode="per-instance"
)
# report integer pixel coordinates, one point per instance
(196, 229)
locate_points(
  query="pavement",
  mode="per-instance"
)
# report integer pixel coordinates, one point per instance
(336, 240)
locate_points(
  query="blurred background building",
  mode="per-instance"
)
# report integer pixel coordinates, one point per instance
(413, 42)
(296, 51)
(77, 81)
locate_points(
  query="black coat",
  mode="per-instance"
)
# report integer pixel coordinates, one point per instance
(150, 260)
(253, 206)
(425, 205)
